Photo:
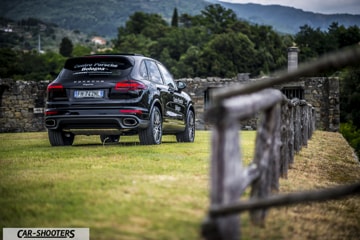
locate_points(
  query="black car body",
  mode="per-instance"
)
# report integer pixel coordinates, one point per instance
(117, 94)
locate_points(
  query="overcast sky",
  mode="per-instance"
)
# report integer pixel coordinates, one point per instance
(318, 6)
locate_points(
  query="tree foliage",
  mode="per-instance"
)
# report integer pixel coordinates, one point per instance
(213, 43)
(314, 42)
(175, 18)
(66, 47)
(218, 19)
(29, 65)
(350, 98)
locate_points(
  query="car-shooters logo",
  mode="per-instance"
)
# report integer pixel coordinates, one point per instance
(46, 233)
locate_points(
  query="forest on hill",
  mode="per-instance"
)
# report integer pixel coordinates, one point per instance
(93, 16)
(104, 17)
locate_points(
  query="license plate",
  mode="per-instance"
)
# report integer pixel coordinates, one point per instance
(89, 94)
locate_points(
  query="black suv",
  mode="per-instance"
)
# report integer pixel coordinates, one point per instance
(117, 94)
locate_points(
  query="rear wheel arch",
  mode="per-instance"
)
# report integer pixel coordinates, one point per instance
(191, 108)
(188, 135)
(158, 104)
(153, 133)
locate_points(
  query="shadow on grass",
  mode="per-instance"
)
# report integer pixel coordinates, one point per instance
(124, 144)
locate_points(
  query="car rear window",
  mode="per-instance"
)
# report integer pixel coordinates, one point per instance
(97, 66)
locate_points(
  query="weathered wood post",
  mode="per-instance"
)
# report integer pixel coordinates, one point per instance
(297, 125)
(313, 121)
(225, 168)
(229, 178)
(291, 143)
(267, 158)
(285, 138)
(304, 122)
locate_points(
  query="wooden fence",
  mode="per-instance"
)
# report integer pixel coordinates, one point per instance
(284, 127)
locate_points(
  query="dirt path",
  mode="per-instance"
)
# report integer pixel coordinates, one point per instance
(327, 161)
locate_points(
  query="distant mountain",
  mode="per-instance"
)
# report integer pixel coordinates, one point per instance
(287, 19)
(94, 16)
(104, 17)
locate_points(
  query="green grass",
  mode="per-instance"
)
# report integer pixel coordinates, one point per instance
(128, 191)
(119, 191)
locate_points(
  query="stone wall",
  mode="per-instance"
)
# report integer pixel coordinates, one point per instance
(22, 102)
(322, 93)
(21, 105)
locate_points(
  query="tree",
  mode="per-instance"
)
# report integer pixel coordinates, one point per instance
(349, 105)
(189, 64)
(133, 43)
(81, 50)
(238, 55)
(195, 47)
(218, 19)
(175, 18)
(308, 39)
(66, 47)
(270, 46)
(350, 96)
(350, 37)
(8, 62)
(150, 25)
(178, 40)
(186, 20)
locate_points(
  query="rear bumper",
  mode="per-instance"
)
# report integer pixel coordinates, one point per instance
(94, 125)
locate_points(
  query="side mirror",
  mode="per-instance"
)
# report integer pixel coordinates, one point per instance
(180, 85)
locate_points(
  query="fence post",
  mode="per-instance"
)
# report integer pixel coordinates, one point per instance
(267, 159)
(291, 132)
(297, 125)
(225, 168)
(313, 121)
(286, 144)
(304, 123)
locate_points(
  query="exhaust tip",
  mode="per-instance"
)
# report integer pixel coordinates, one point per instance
(130, 122)
(50, 123)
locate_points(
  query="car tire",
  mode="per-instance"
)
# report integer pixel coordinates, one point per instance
(60, 138)
(152, 135)
(110, 138)
(189, 134)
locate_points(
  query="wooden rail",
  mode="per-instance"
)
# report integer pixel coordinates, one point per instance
(283, 129)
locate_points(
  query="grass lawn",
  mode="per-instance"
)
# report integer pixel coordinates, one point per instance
(128, 191)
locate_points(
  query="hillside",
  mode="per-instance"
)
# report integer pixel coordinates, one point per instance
(103, 18)
(288, 19)
(92, 16)
(33, 34)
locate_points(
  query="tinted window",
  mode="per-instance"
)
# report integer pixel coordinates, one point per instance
(143, 71)
(96, 66)
(169, 81)
(154, 72)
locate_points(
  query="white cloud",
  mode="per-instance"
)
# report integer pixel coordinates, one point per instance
(319, 6)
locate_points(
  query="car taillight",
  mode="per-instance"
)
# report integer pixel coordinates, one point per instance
(57, 86)
(56, 91)
(131, 111)
(50, 113)
(129, 85)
